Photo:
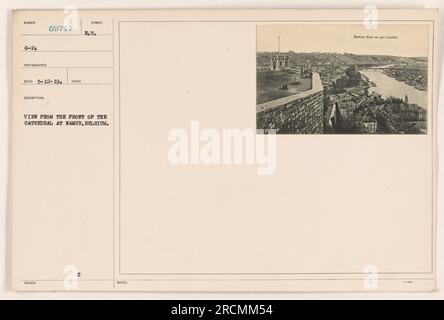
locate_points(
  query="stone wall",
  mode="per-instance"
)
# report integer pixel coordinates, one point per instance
(298, 113)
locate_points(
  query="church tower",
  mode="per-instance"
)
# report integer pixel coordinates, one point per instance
(278, 61)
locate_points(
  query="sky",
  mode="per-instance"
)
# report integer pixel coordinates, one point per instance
(407, 40)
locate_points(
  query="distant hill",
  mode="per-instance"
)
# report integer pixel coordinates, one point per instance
(317, 58)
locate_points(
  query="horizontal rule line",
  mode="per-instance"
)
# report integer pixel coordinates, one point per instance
(43, 67)
(66, 84)
(30, 51)
(61, 35)
(252, 21)
(233, 279)
(265, 273)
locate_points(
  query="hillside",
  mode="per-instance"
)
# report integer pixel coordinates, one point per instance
(317, 58)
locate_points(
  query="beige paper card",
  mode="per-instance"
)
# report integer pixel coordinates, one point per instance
(224, 150)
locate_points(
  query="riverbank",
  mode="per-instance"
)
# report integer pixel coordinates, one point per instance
(416, 78)
(388, 86)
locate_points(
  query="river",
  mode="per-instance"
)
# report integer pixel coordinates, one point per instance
(387, 86)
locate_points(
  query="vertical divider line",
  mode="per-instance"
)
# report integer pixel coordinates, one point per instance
(113, 132)
(120, 151)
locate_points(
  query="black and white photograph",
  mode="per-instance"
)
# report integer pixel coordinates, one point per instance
(342, 79)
